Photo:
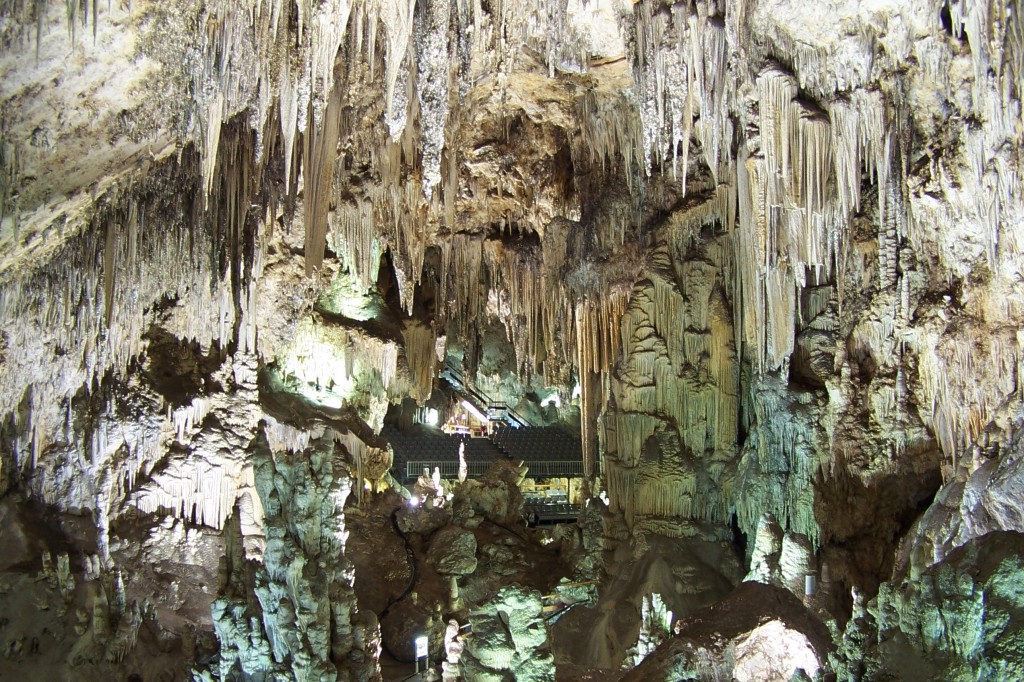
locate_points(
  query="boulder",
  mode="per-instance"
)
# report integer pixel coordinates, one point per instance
(495, 496)
(453, 551)
(758, 633)
(423, 519)
(510, 639)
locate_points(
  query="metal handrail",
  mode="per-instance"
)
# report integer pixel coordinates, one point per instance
(482, 399)
(537, 469)
(449, 468)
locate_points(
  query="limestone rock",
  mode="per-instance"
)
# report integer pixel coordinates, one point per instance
(404, 622)
(960, 620)
(423, 519)
(758, 632)
(769, 254)
(764, 559)
(453, 551)
(796, 561)
(495, 496)
(987, 495)
(814, 357)
(301, 619)
(509, 639)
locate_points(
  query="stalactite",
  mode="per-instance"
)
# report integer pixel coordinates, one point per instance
(352, 238)
(679, 58)
(945, 368)
(285, 438)
(203, 484)
(76, 301)
(609, 135)
(420, 345)
(433, 87)
(189, 418)
(397, 19)
(319, 154)
(289, 105)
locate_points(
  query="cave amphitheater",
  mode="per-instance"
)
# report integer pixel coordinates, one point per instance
(511, 340)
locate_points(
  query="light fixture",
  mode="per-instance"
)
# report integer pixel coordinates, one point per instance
(473, 411)
(421, 650)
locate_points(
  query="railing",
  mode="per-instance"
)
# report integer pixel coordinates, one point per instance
(449, 469)
(539, 469)
(555, 469)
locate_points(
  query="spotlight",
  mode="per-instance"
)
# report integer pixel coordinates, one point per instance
(421, 650)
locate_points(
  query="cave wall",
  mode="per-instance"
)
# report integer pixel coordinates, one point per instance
(777, 247)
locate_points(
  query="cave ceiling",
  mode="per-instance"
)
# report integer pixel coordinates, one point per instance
(766, 254)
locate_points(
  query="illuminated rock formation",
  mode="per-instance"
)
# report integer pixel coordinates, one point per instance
(767, 255)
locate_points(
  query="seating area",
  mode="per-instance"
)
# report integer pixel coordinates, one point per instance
(538, 444)
(543, 512)
(547, 451)
(424, 444)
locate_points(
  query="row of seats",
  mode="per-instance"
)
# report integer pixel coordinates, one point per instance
(423, 444)
(565, 508)
(549, 449)
(538, 443)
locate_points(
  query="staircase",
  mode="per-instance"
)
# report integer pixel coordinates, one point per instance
(496, 410)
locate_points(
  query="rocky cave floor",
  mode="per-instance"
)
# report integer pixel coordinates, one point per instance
(765, 257)
(178, 568)
(58, 623)
(521, 591)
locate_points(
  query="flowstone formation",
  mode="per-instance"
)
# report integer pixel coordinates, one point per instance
(300, 620)
(764, 257)
(957, 621)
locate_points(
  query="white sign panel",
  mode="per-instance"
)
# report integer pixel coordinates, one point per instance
(421, 647)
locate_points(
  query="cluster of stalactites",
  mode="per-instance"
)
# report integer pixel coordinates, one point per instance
(516, 287)
(551, 324)
(796, 194)
(210, 472)
(799, 189)
(86, 311)
(679, 59)
(104, 456)
(281, 66)
(525, 289)
(285, 438)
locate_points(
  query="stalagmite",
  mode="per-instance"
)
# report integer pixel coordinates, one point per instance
(463, 468)
(777, 247)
